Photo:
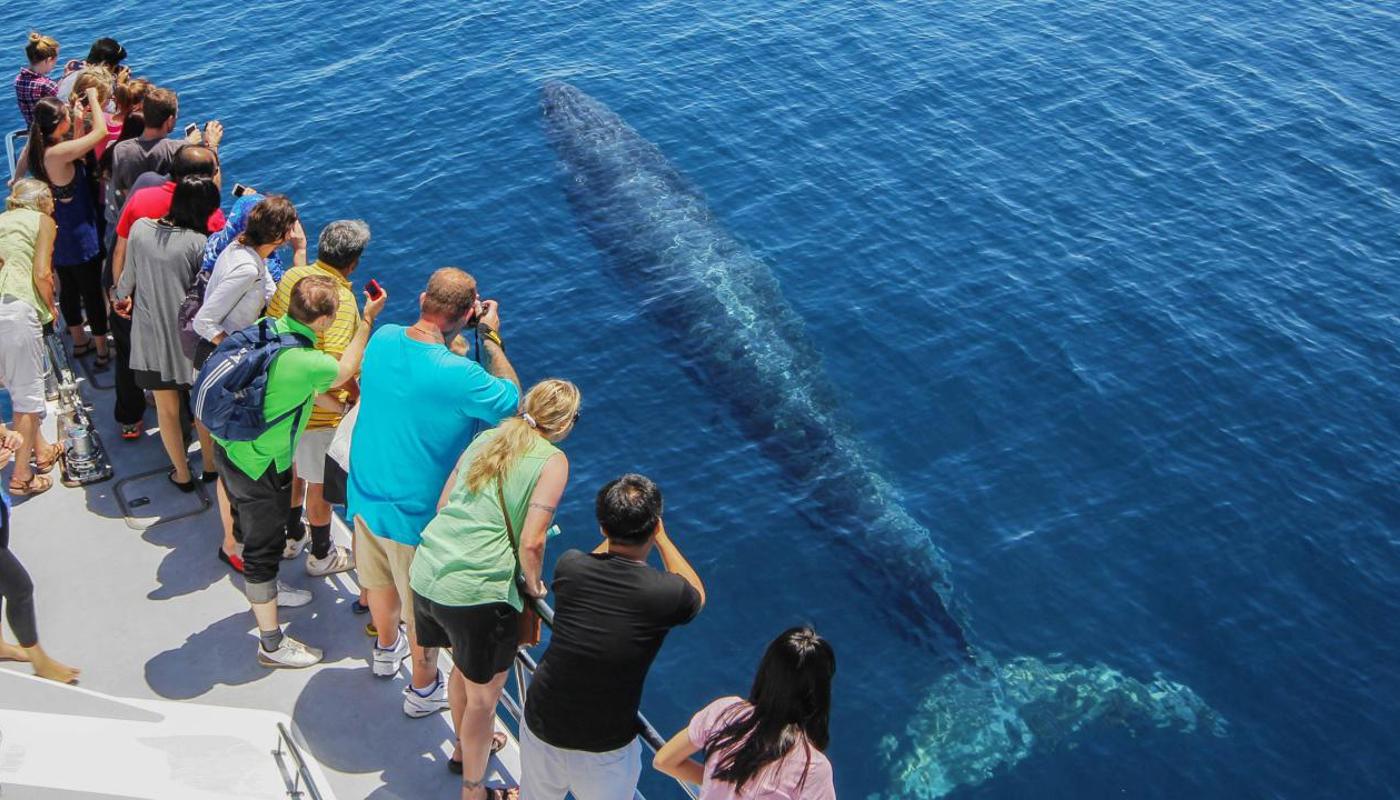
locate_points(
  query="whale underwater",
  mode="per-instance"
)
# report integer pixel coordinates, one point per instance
(984, 714)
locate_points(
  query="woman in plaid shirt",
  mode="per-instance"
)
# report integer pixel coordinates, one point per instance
(33, 83)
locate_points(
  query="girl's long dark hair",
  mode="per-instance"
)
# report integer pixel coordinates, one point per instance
(790, 702)
(195, 198)
(48, 113)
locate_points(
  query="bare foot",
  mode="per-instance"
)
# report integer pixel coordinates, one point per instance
(46, 667)
(13, 652)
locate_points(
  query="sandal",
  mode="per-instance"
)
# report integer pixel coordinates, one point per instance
(102, 360)
(498, 743)
(235, 562)
(44, 466)
(38, 484)
(80, 350)
(186, 487)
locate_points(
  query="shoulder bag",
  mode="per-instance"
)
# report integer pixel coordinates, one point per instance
(530, 622)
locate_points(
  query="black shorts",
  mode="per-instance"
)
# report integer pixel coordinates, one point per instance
(483, 638)
(202, 351)
(150, 379)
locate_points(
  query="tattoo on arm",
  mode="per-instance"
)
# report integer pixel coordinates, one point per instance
(543, 507)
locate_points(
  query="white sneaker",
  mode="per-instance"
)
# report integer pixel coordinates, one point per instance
(290, 653)
(386, 662)
(339, 559)
(293, 547)
(287, 597)
(417, 706)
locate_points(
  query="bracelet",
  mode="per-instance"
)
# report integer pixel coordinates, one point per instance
(492, 335)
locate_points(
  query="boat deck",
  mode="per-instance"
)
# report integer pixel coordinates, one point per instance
(141, 604)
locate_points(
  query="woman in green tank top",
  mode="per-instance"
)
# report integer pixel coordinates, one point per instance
(27, 310)
(27, 233)
(490, 526)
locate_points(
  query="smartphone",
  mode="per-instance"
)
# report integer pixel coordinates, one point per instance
(191, 129)
(239, 189)
(374, 290)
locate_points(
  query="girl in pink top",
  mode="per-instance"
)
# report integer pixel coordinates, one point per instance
(772, 745)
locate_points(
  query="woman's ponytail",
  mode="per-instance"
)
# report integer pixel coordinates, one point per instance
(550, 408)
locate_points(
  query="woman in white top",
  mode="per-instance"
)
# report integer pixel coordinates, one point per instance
(240, 284)
(238, 290)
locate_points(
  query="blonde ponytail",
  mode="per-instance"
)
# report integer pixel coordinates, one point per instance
(40, 47)
(550, 408)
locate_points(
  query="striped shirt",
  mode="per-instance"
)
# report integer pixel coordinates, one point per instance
(335, 339)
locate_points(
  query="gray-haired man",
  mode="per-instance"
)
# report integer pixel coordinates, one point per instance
(337, 254)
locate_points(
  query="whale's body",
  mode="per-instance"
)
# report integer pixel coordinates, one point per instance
(731, 319)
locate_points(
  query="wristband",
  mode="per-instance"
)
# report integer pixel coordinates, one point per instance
(492, 335)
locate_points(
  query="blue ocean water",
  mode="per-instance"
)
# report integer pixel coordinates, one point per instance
(1109, 288)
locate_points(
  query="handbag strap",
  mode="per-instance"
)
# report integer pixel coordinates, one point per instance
(510, 529)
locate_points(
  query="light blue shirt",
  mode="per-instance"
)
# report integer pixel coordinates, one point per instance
(418, 406)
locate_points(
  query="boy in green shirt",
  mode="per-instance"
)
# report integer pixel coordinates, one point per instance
(258, 474)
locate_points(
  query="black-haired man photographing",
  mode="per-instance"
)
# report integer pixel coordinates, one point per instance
(612, 612)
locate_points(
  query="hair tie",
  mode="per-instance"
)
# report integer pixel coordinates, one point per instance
(529, 420)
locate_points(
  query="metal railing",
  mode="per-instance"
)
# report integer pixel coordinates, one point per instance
(525, 667)
(298, 780)
(11, 154)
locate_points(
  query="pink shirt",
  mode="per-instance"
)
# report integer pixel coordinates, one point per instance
(114, 130)
(781, 781)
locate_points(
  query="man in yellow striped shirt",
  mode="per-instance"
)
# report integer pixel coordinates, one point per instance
(337, 254)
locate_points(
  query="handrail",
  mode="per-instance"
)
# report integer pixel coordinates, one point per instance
(526, 666)
(11, 159)
(303, 774)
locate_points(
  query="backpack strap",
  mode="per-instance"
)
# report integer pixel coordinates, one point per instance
(290, 339)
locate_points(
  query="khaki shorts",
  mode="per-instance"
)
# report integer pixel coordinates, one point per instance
(384, 563)
(22, 355)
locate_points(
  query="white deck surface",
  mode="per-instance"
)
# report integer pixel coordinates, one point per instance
(152, 615)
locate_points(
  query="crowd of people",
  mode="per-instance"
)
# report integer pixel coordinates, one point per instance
(450, 470)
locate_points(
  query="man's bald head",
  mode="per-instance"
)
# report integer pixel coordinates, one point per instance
(193, 159)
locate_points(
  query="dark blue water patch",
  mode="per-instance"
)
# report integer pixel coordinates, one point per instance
(1108, 291)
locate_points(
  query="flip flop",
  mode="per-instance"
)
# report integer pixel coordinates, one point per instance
(44, 466)
(498, 743)
(80, 350)
(102, 360)
(37, 484)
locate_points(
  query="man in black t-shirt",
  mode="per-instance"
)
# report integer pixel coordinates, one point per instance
(612, 611)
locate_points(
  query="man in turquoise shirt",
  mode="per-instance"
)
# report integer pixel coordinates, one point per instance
(419, 404)
(258, 474)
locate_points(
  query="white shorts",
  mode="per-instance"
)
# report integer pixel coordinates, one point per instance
(310, 457)
(22, 355)
(549, 772)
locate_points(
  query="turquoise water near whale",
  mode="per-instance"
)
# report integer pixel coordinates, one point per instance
(1108, 289)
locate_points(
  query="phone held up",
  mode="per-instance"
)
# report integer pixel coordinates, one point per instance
(191, 129)
(373, 289)
(239, 189)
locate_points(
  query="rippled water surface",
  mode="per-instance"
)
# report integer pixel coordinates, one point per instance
(1108, 289)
